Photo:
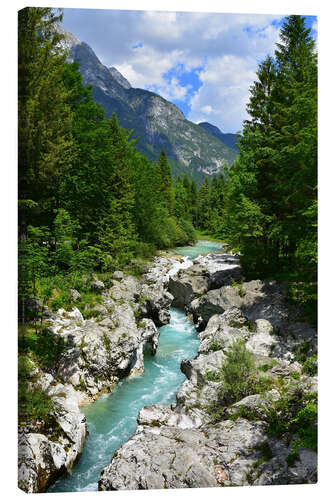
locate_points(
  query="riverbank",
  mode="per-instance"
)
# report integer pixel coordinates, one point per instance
(247, 413)
(282, 351)
(203, 235)
(96, 347)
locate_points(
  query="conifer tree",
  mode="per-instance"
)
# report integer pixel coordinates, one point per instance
(45, 146)
(270, 193)
(167, 183)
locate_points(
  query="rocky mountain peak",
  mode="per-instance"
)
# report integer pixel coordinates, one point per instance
(156, 122)
(119, 78)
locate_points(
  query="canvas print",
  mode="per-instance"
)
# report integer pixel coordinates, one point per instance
(167, 257)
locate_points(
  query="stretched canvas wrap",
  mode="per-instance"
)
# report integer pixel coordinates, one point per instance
(167, 250)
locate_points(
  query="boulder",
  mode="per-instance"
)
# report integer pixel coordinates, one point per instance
(42, 459)
(185, 286)
(39, 462)
(118, 275)
(207, 273)
(170, 457)
(75, 295)
(155, 302)
(97, 284)
(222, 269)
(256, 299)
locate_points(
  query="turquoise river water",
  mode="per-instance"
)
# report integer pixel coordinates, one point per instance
(111, 420)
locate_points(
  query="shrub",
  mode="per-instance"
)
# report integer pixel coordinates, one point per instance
(215, 345)
(45, 347)
(145, 250)
(238, 371)
(213, 376)
(106, 341)
(310, 366)
(296, 413)
(240, 379)
(33, 404)
(91, 313)
(301, 352)
(189, 230)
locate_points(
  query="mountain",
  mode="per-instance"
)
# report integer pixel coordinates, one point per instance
(228, 139)
(156, 122)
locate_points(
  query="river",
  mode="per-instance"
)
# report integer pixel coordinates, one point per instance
(111, 420)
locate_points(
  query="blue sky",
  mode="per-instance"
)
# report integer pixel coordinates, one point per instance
(202, 62)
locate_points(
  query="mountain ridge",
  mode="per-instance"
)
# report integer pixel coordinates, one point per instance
(156, 123)
(228, 139)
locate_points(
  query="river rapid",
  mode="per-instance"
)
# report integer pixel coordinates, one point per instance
(111, 420)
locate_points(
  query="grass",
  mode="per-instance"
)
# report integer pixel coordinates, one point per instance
(294, 413)
(91, 313)
(203, 235)
(106, 342)
(215, 345)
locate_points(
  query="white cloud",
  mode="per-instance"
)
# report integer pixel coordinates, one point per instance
(222, 98)
(145, 66)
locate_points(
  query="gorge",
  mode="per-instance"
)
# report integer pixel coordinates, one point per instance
(236, 447)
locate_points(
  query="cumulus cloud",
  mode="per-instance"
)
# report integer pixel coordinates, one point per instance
(223, 96)
(147, 46)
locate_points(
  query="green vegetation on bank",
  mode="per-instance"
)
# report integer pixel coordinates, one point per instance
(293, 415)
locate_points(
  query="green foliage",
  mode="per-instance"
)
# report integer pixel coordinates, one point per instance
(106, 342)
(296, 413)
(215, 345)
(301, 352)
(266, 451)
(33, 404)
(213, 376)
(216, 412)
(239, 379)
(269, 196)
(44, 346)
(244, 412)
(45, 120)
(167, 191)
(91, 313)
(310, 366)
(239, 374)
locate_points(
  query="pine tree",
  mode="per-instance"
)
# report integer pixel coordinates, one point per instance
(167, 183)
(270, 193)
(45, 146)
(204, 205)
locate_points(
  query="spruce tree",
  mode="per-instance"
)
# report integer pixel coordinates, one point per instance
(167, 183)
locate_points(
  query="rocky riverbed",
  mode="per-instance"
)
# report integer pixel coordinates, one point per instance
(183, 445)
(206, 440)
(99, 352)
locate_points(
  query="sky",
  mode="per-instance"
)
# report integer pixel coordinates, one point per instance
(202, 62)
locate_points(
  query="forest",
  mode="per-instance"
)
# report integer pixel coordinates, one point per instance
(89, 202)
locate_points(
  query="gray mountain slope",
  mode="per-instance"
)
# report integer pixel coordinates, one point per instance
(227, 139)
(156, 122)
